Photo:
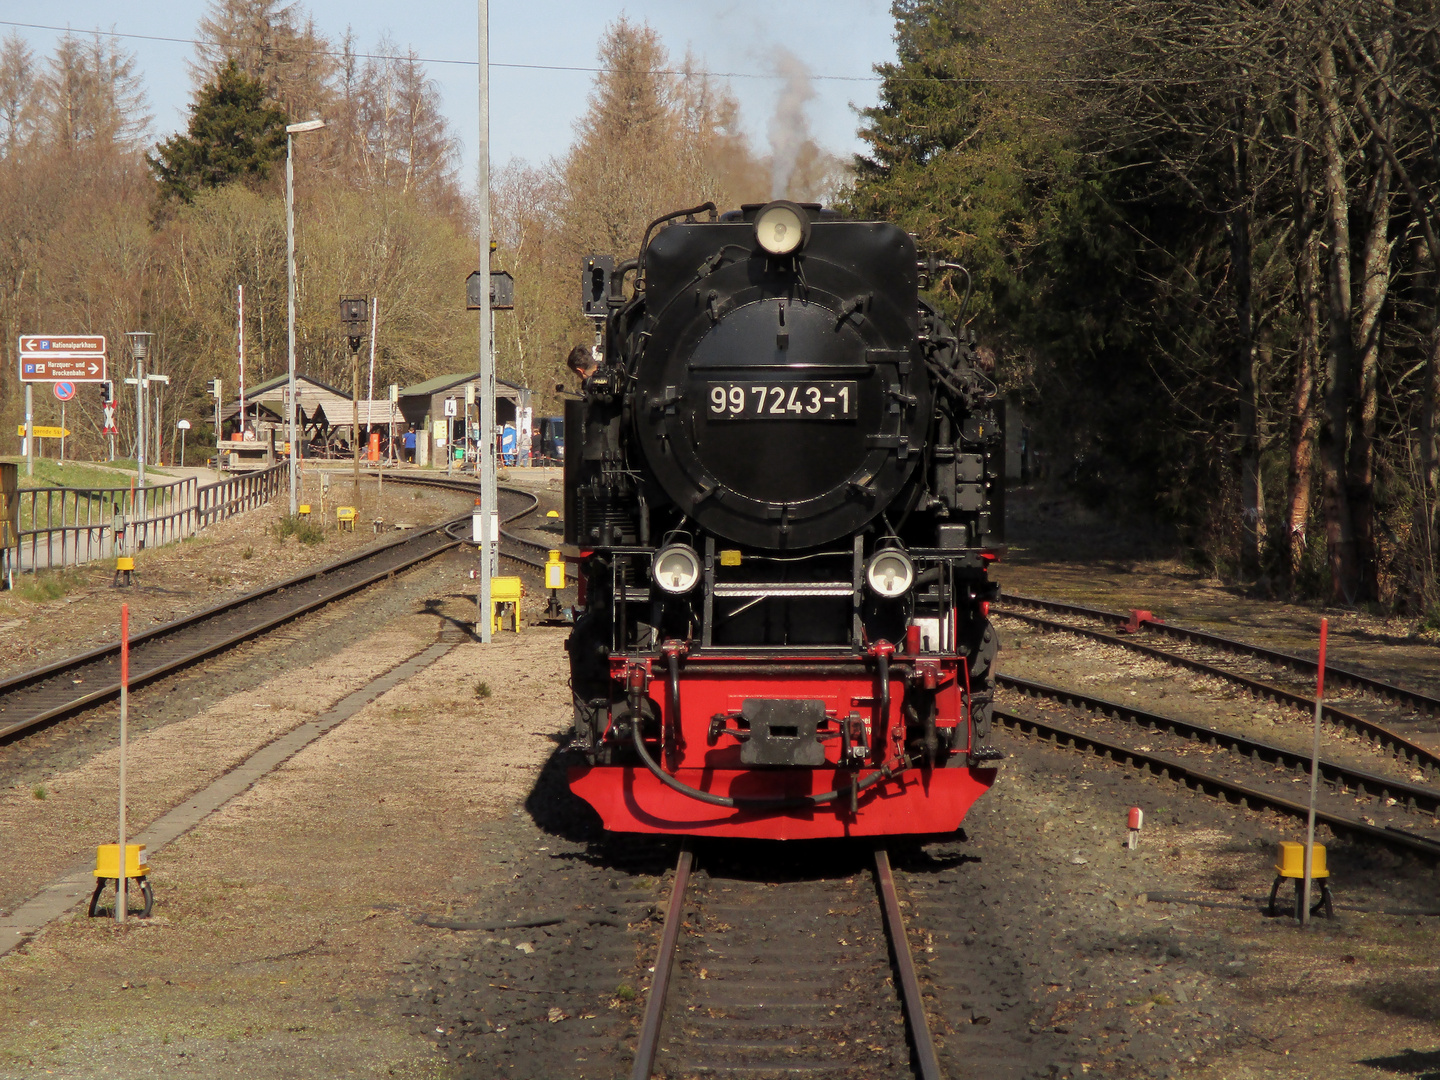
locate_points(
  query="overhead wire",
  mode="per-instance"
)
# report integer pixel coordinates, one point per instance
(974, 80)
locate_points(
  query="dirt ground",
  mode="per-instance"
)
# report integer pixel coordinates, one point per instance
(61, 613)
(284, 942)
(283, 921)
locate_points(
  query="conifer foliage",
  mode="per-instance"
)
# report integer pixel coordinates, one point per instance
(234, 134)
(1205, 235)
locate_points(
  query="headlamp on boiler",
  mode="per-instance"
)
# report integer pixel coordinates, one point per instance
(782, 227)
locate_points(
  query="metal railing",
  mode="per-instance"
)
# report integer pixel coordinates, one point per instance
(217, 501)
(66, 526)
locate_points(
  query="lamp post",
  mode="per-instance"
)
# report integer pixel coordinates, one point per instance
(354, 313)
(139, 350)
(291, 130)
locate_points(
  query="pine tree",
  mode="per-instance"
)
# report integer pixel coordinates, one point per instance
(963, 148)
(234, 134)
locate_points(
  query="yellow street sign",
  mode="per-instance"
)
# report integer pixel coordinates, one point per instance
(47, 432)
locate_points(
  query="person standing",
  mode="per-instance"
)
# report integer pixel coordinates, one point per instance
(410, 445)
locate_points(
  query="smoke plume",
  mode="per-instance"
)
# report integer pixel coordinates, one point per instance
(789, 127)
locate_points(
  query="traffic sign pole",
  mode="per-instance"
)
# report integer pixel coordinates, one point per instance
(62, 428)
(29, 430)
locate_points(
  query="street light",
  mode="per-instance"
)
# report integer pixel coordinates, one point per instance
(139, 350)
(291, 130)
(354, 314)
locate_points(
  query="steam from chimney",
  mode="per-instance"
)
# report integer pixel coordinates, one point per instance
(789, 127)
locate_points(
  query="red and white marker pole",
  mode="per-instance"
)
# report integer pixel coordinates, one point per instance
(124, 724)
(1314, 775)
(1135, 822)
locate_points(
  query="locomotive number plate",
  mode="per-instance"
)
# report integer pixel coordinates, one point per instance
(782, 401)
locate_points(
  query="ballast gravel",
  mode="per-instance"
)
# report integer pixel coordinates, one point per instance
(416, 894)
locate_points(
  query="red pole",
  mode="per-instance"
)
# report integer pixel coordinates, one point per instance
(120, 882)
(1320, 675)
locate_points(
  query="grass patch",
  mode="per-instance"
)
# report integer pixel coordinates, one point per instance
(81, 474)
(47, 585)
(248, 553)
(39, 792)
(302, 528)
(625, 992)
(482, 689)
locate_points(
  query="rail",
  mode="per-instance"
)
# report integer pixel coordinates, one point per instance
(1415, 699)
(1387, 738)
(922, 1047)
(32, 698)
(1209, 783)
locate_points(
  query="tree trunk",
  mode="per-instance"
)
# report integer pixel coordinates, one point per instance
(1334, 427)
(1252, 502)
(1374, 288)
(1307, 352)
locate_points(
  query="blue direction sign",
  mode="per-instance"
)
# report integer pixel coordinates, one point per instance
(64, 390)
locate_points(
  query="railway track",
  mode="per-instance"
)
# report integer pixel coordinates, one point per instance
(513, 546)
(48, 693)
(1263, 675)
(1334, 675)
(789, 978)
(1353, 803)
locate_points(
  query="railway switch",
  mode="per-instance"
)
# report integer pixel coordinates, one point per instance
(555, 571)
(1290, 863)
(554, 581)
(505, 596)
(345, 517)
(124, 568)
(107, 872)
(304, 509)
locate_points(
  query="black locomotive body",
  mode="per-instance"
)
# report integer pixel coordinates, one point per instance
(784, 487)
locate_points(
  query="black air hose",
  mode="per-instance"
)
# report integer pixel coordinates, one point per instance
(794, 803)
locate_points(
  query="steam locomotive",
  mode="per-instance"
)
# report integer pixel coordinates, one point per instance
(783, 491)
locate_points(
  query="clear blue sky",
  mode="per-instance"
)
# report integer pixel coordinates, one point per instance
(532, 112)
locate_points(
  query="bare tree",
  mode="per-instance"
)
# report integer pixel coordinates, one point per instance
(19, 96)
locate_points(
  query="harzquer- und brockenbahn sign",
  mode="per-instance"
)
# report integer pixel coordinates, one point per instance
(56, 358)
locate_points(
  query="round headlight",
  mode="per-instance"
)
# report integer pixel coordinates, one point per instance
(890, 573)
(781, 227)
(676, 568)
